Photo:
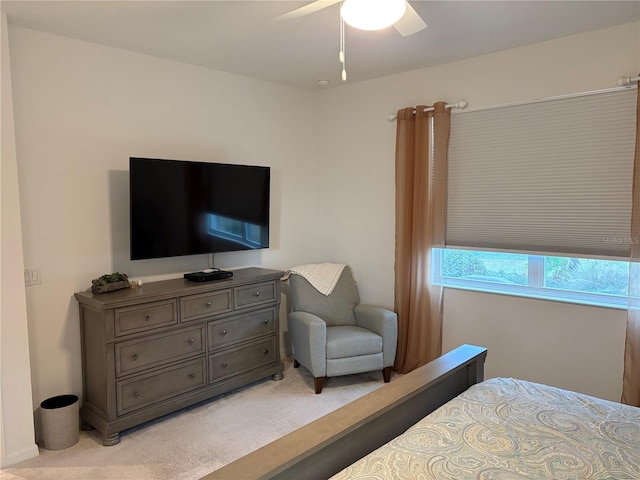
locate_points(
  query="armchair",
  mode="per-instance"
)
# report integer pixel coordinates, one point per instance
(334, 335)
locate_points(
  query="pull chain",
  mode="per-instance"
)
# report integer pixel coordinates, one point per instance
(341, 56)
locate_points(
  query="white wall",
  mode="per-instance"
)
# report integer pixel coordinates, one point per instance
(81, 110)
(358, 157)
(16, 419)
(569, 346)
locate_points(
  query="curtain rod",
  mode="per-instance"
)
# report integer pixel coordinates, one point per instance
(461, 105)
(626, 81)
(622, 81)
(549, 99)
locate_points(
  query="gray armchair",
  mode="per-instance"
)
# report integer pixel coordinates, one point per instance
(334, 335)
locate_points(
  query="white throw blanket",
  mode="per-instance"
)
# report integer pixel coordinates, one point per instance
(323, 276)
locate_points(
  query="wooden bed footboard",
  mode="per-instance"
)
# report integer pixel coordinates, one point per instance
(325, 446)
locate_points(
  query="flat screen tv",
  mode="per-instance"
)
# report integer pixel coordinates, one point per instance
(189, 208)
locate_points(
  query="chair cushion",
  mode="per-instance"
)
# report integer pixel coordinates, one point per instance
(351, 341)
(334, 309)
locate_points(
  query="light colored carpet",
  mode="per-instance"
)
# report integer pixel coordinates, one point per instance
(188, 444)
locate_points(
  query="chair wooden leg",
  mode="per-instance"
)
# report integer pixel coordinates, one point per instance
(319, 383)
(296, 364)
(386, 374)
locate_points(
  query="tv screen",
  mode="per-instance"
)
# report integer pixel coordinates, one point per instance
(188, 208)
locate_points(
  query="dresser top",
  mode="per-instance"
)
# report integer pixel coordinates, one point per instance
(175, 287)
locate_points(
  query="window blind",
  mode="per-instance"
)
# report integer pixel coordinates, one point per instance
(553, 176)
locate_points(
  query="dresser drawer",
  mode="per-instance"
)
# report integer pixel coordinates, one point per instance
(240, 328)
(136, 355)
(198, 306)
(255, 294)
(222, 365)
(140, 392)
(144, 317)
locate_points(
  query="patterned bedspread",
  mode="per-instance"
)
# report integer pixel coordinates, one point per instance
(506, 429)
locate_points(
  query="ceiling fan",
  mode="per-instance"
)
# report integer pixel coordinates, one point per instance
(365, 15)
(398, 13)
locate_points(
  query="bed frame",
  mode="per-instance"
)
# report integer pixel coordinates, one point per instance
(325, 446)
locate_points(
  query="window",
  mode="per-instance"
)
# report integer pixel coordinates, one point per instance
(579, 280)
(553, 176)
(550, 176)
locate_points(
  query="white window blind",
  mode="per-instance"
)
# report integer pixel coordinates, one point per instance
(553, 176)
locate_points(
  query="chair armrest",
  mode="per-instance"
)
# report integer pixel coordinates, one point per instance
(309, 340)
(383, 322)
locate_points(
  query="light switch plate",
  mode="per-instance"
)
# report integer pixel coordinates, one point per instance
(32, 276)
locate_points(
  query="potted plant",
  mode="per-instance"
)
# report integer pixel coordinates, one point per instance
(109, 283)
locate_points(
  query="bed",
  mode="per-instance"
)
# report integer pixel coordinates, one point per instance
(443, 421)
(507, 428)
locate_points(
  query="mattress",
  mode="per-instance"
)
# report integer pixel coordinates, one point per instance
(508, 429)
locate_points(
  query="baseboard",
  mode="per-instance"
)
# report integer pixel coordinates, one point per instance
(19, 457)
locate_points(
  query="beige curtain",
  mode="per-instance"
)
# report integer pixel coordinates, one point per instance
(631, 381)
(421, 197)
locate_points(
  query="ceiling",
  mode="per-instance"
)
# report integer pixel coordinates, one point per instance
(241, 36)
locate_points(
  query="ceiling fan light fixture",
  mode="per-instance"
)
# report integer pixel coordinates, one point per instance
(372, 14)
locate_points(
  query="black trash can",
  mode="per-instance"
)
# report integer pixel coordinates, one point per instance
(60, 422)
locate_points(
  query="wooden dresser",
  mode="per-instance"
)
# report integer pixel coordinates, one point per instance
(152, 350)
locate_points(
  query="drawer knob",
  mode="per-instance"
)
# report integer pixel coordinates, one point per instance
(208, 304)
(256, 294)
(192, 375)
(223, 365)
(266, 321)
(147, 317)
(223, 333)
(134, 356)
(265, 351)
(136, 393)
(190, 341)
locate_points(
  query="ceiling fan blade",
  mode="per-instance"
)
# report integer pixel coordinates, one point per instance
(307, 9)
(410, 22)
